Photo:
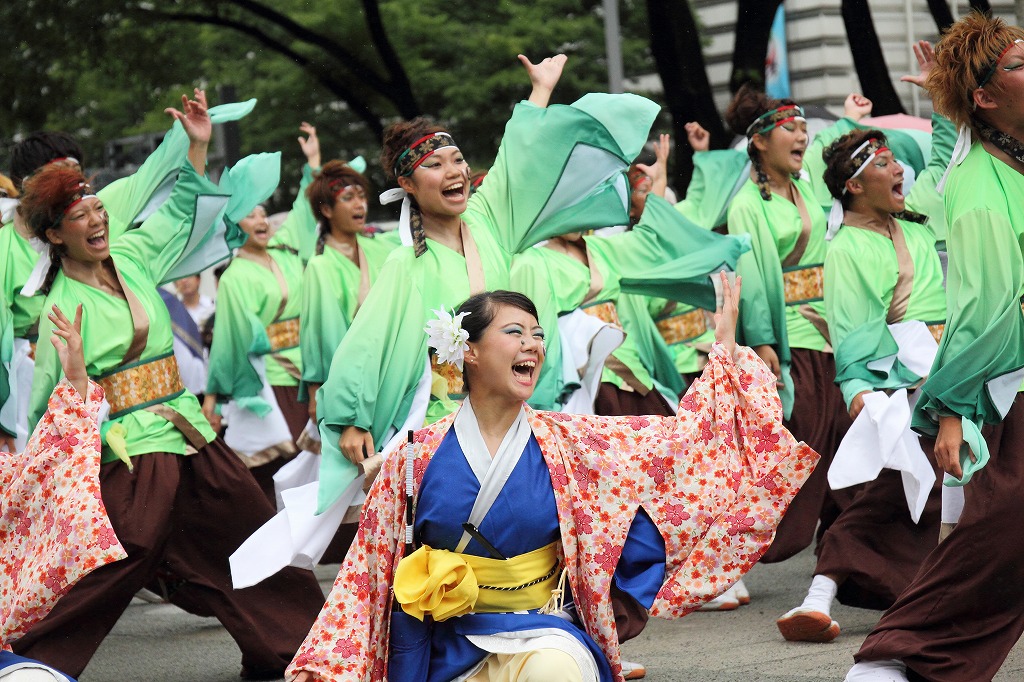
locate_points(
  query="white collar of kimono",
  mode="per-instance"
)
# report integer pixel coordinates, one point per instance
(7, 207)
(960, 150)
(399, 194)
(491, 472)
(42, 266)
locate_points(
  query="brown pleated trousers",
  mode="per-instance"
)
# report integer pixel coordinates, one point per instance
(964, 610)
(183, 516)
(819, 419)
(875, 542)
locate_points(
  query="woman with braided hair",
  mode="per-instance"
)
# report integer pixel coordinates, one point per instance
(783, 317)
(964, 610)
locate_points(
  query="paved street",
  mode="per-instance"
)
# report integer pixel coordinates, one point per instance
(159, 643)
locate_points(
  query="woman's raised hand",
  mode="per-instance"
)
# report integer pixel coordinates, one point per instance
(310, 145)
(195, 119)
(658, 171)
(728, 313)
(697, 136)
(544, 77)
(67, 340)
(857, 106)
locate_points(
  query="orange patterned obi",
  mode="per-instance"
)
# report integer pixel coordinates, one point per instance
(451, 374)
(804, 284)
(283, 334)
(682, 327)
(604, 311)
(141, 384)
(936, 328)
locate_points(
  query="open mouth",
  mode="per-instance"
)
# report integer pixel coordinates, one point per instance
(798, 154)
(524, 371)
(897, 191)
(455, 191)
(97, 239)
(359, 218)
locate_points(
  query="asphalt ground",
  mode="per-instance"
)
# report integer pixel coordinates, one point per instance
(159, 643)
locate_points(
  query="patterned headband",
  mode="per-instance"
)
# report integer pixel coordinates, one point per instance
(84, 191)
(775, 118)
(339, 186)
(419, 150)
(991, 71)
(864, 154)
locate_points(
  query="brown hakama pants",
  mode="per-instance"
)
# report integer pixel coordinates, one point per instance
(964, 610)
(183, 516)
(611, 401)
(875, 543)
(819, 419)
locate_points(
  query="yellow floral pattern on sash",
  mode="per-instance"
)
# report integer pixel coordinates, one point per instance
(283, 334)
(604, 311)
(141, 385)
(804, 285)
(682, 327)
(936, 330)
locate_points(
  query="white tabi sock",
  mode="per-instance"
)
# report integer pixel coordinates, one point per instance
(892, 670)
(819, 597)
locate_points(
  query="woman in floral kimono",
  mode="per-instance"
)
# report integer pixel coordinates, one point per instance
(526, 522)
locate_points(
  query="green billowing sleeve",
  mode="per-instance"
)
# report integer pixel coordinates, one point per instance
(531, 276)
(760, 298)
(299, 229)
(238, 333)
(814, 164)
(924, 198)
(562, 169)
(667, 256)
(654, 353)
(717, 176)
(191, 210)
(8, 408)
(856, 313)
(130, 200)
(329, 292)
(375, 371)
(984, 334)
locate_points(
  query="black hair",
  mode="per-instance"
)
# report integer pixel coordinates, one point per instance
(484, 306)
(39, 149)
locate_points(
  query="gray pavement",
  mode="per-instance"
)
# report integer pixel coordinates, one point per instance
(159, 643)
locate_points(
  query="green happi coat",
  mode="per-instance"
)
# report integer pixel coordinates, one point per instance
(559, 169)
(861, 272)
(331, 289)
(8, 410)
(977, 372)
(142, 256)
(249, 298)
(774, 228)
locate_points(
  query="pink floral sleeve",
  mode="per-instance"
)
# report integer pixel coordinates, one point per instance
(54, 524)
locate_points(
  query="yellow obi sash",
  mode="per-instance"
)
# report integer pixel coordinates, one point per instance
(451, 375)
(936, 328)
(604, 311)
(141, 384)
(444, 584)
(682, 327)
(804, 284)
(283, 334)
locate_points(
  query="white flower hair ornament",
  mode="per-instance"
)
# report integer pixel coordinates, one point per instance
(447, 337)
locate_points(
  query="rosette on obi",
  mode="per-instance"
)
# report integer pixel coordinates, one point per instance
(435, 582)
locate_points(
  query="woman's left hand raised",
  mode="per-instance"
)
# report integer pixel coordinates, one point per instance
(544, 77)
(193, 116)
(727, 315)
(67, 340)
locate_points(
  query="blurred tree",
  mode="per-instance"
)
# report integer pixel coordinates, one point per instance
(868, 58)
(753, 27)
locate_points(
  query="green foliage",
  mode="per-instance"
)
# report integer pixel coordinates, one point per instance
(104, 69)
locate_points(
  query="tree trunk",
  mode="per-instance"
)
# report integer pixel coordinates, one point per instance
(868, 58)
(981, 6)
(675, 45)
(941, 13)
(753, 28)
